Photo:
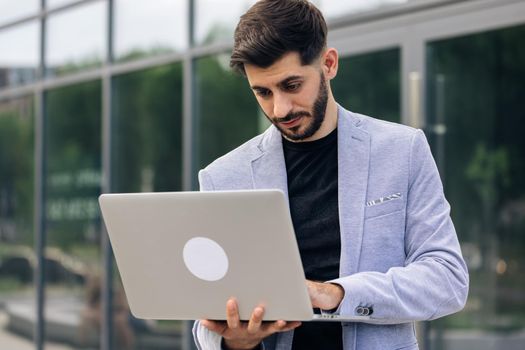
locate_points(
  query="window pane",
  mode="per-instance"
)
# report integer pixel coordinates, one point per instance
(226, 110)
(215, 20)
(477, 122)
(76, 39)
(147, 130)
(370, 84)
(143, 28)
(73, 181)
(19, 58)
(146, 154)
(13, 10)
(17, 292)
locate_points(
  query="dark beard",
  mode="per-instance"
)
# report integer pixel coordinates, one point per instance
(318, 115)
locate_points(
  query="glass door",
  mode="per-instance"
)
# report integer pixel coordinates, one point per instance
(476, 122)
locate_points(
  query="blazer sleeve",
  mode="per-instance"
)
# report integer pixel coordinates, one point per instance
(205, 182)
(434, 279)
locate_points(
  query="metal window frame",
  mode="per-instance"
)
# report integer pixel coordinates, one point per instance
(188, 86)
(106, 339)
(39, 193)
(409, 26)
(43, 12)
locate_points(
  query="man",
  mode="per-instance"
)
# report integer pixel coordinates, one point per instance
(367, 204)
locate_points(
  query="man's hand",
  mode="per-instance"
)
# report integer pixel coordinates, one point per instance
(239, 335)
(326, 296)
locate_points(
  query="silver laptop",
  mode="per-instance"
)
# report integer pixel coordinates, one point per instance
(182, 255)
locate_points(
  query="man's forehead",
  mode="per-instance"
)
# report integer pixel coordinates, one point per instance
(288, 66)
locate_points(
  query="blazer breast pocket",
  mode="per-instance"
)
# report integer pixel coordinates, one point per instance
(384, 233)
(373, 209)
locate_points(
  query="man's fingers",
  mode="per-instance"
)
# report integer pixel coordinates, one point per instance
(283, 326)
(256, 320)
(290, 325)
(232, 314)
(214, 326)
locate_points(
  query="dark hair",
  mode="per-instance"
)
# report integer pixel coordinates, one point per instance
(272, 28)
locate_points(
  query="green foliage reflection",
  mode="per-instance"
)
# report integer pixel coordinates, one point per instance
(475, 90)
(147, 130)
(73, 165)
(226, 110)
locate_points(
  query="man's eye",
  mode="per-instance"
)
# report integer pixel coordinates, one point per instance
(293, 87)
(263, 93)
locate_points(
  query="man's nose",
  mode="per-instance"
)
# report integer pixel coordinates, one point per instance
(282, 105)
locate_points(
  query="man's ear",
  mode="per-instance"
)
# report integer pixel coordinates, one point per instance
(330, 63)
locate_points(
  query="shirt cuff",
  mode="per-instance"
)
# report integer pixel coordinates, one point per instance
(205, 339)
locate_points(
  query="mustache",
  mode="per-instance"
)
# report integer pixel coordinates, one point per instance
(291, 116)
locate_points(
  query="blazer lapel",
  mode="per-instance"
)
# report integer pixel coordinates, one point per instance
(269, 168)
(269, 172)
(353, 165)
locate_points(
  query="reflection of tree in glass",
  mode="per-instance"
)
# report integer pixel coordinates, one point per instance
(225, 108)
(16, 171)
(488, 171)
(147, 130)
(138, 53)
(73, 138)
(370, 84)
(87, 62)
(484, 169)
(217, 32)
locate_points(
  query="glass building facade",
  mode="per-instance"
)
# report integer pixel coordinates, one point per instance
(134, 96)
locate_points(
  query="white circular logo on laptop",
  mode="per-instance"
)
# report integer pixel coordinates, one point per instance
(205, 259)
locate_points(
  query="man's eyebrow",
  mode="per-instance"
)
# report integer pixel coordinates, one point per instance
(256, 87)
(287, 80)
(282, 83)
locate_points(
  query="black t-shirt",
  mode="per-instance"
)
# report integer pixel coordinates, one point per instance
(311, 168)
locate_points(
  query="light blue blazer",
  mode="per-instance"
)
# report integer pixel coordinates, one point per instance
(400, 255)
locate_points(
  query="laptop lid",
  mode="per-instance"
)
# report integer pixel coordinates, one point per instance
(182, 255)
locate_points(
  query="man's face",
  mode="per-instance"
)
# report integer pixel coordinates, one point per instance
(292, 96)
